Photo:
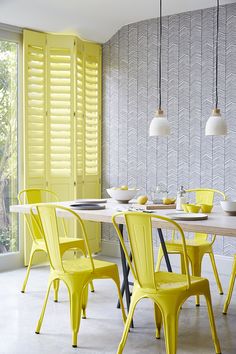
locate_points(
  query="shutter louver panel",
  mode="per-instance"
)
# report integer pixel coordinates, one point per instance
(62, 119)
(91, 92)
(79, 113)
(60, 110)
(34, 51)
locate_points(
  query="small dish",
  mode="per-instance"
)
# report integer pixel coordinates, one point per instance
(184, 206)
(192, 208)
(206, 208)
(229, 206)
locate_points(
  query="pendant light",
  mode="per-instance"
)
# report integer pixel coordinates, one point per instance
(159, 125)
(216, 124)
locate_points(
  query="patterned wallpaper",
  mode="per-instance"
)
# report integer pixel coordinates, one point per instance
(130, 75)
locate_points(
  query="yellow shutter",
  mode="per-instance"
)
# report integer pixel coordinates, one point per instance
(62, 118)
(35, 103)
(91, 186)
(34, 153)
(60, 115)
(79, 124)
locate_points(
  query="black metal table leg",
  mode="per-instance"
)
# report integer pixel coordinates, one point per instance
(163, 245)
(122, 290)
(125, 268)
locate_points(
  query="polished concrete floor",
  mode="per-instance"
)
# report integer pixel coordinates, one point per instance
(101, 331)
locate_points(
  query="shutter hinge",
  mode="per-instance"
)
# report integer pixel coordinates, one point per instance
(74, 42)
(74, 114)
(46, 183)
(74, 183)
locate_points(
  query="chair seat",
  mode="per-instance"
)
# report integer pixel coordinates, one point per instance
(81, 264)
(189, 243)
(65, 240)
(167, 281)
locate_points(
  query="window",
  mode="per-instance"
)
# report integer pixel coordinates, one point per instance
(9, 240)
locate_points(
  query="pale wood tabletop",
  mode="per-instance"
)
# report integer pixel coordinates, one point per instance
(218, 222)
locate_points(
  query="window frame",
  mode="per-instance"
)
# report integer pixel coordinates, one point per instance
(14, 34)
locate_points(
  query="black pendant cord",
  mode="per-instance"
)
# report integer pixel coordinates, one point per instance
(217, 50)
(160, 42)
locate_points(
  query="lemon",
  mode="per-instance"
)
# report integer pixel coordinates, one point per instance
(124, 188)
(142, 199)
(168, 201)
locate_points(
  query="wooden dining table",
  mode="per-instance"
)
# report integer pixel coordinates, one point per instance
(217, 223)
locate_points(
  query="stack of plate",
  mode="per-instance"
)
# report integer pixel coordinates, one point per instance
(89, 204)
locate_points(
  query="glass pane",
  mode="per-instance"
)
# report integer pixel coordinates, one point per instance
(8, 146)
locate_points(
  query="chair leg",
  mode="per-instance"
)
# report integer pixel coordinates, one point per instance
(212, 322)
(134, 301)
(84, 301)
(56, 284)
(196, 264)
(115, 277)
(75, 313)
(91, 287)
(231, 288)
(171, 331)
(216, 274)
(28, 270)
(159, 259)
(158, 320)
(40, 321)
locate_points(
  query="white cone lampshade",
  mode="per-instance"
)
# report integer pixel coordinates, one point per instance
(216, 124)
(159, 125)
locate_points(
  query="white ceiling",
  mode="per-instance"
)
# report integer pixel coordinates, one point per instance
(95, 20)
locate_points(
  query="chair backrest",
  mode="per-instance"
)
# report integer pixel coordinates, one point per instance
(139, 228)
(47, 221)
(205, 196)
(35, 196)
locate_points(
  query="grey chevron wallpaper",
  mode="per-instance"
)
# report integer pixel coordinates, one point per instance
(130, 75)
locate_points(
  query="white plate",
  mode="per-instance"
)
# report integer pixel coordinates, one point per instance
(96, 201)
(187, 216)
(91, 206)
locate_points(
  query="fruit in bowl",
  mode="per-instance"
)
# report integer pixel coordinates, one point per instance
(229, 206)
(121, 194)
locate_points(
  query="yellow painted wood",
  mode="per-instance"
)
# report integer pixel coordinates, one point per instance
(34, 132)
(62, 85)
(88, 130)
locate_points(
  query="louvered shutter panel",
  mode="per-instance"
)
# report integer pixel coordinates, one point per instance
(79, 124)
(34, 152)
(34, 108)
(92, 133)
(60, 115)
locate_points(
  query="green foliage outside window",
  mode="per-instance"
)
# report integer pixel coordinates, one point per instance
(8, 145)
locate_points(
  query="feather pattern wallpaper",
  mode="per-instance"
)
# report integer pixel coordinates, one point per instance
(130, 82)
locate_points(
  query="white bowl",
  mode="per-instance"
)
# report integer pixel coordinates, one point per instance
(122, 196)
(229, 206)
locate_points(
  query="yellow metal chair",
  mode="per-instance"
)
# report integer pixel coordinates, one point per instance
(168, 291)
(75, 273)
(33, 196)
(199, 245)
(231, 287)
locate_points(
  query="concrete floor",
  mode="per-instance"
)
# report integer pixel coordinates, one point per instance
(101, 331)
